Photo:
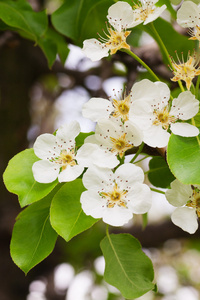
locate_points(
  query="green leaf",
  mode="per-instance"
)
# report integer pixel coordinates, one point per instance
(33, 238)
(81, 137)
(168, 35)
(81, 19)
(169, 7)
(49, 49)
(19, 14)
(159, 174)
(183, 156)
(52, 43)
(197, 120)
(127, 267)
(175, 2)
(67, 216)
(61, 44)
(18, 178)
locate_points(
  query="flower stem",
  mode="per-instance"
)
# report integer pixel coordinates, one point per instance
(144, 220)
(162, 47)
(137, 153)
(107, 231)
(142, 159)
(141, 62)
(157, 191)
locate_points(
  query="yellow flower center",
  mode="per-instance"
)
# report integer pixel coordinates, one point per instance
(144, 10)
(117, 40)
(186, 71)
(195, 201)
(122, 108)
(115, 197)
(66, 158)
(163, 118)
(120, 145)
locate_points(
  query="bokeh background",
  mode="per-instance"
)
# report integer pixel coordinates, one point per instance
(35, 99)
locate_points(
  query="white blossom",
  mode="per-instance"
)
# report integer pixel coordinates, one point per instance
(120, 17)
(146, 11)
(187, 200)
(114, 197)
(188, 16)
(154, 115)
(60, 158)
(114, 137)
(98, 108)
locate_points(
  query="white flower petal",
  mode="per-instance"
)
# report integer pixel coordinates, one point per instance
(130, 174)
(188, 15)
(140, 198)
(70, 173)
(90, 154)
(134, 134)
(68, 132)
(45, 146)
(141, 113)
(156, 136)
(92, 204)
(184, 129)
(97, 108)
(157, 12)
(120, 15)
(94, 49)
(117, 216)
(179, 194)
(91, 139)
(185, 106)
(146, 90)
(163, 92)
(185, 218)
(107, 128)
(96, 178)
(44, 171)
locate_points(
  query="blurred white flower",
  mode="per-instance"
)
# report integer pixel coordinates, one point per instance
(115, 196)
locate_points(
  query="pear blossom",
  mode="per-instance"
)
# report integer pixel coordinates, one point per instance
(155, 117)
(186, 71)
(186, 199)
(114, 197)
(146, 11)
(60, 159)
(188, 16)
(114, 137)
(98, 108)
(120, 17)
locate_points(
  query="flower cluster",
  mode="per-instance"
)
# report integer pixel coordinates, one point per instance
(114, 196)
(148, 108)
(121, 16)
(147, 114)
